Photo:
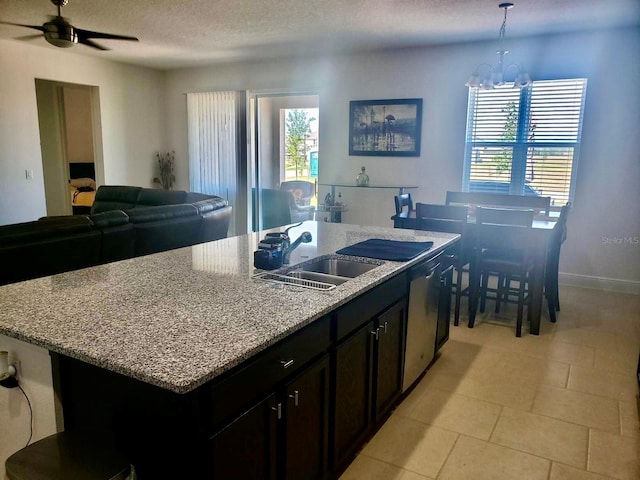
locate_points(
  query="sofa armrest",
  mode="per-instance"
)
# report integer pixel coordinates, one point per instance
(215, 224)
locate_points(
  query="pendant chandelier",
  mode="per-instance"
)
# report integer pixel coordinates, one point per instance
(494, 76)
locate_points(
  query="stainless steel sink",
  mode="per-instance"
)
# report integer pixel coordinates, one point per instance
(317, 277)
(323, 273)
(337, 267)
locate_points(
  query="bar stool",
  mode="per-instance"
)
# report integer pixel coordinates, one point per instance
(65, 456)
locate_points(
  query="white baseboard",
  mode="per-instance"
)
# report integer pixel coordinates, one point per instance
(600, 283)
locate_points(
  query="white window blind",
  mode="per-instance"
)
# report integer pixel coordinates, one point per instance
(525, 142)
(211, 125)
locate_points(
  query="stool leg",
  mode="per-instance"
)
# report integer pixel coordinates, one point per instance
(520, 305)
(501, 285)
(456, 317)
(484, 282)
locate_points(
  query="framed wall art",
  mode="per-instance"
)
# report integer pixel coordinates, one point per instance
(385, 128)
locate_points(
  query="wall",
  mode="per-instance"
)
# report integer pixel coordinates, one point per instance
(605, 214)
(131, 120)
(34, 374)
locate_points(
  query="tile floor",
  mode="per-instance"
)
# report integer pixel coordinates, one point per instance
(559, 406)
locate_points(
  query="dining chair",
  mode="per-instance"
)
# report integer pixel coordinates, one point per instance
(403, 200)
(502, 248)
(558, 237)
(539, 204)
(450, 219)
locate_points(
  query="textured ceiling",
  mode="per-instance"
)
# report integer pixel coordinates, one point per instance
(179, 33)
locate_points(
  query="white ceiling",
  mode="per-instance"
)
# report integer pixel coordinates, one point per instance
(180, 33)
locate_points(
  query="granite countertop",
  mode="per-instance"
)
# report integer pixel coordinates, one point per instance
(180, 318)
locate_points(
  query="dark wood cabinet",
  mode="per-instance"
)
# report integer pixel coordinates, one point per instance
(389, 359)
(306, 424)
(284, 436)
(368, 380)
(352, 397)
(444, 306)
(247, 447)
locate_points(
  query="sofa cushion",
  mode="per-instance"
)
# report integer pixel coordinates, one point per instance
(149, 197)
(115, 197)
(40, 254)
(42, 230)
(109, 219)
(210, 204)
(165, 212)
(153, 237)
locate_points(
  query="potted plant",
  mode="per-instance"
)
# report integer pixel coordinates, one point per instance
(166, 162)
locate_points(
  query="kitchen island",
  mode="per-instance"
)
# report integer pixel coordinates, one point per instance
(171, 355)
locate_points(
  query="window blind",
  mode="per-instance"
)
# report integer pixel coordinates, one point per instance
(525, 142)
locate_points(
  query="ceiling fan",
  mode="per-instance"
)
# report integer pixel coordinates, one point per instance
(62, 34)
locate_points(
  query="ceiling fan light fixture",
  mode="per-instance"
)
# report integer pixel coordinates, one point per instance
(496, 75)
(60, 33)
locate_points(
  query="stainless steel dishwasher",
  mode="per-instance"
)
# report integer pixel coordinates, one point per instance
(426, 296)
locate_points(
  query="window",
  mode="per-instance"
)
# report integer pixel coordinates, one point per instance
(525, 142)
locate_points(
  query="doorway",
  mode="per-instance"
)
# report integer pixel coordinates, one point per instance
(284, 140)
(70, 143)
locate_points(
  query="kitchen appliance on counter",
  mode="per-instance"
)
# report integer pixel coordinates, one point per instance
(275, 249)
(428, 315)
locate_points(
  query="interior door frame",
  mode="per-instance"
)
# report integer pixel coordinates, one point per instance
(59, 131)
(253, 138)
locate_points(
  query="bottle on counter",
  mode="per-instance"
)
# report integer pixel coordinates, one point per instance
(328, 200)
(337, 215)
(362, 180)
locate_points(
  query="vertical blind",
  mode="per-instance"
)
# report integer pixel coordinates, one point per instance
(211, 123)
(525, 142)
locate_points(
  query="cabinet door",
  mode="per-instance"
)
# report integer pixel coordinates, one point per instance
(306, 424)
(352, 416)
(444, 307)
(246, 448)
(389, 358)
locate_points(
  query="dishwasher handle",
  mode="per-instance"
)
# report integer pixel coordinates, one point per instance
(422, 271)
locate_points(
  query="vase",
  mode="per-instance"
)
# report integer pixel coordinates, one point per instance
(362, 180)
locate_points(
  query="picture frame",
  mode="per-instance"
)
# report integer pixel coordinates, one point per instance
(385, 128)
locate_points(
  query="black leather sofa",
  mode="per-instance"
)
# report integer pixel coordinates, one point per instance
(124, 222)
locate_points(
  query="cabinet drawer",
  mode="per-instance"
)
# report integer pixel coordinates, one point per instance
(259, 375)
(366, 306)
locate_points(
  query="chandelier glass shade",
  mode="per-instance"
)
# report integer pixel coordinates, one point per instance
(487, 77)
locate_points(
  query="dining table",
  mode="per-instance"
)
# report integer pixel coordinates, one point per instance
(541, 232)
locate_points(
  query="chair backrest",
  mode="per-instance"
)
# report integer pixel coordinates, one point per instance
(541, 204)
(504, 216)
(560, 229)
(403, 200)
(302, 190)
(276, 207)
(514, 238)
(444, 212)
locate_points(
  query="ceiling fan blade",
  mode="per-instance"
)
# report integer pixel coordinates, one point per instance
(90, 43)
(29, 37)
(89, 34)
(35, 27)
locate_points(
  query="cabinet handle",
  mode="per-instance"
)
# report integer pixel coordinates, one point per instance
(278, 408)
(286, 363)
(385, 328)
(376, 333)
(296, 397)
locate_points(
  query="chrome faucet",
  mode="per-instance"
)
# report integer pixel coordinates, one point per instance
(305, 237)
